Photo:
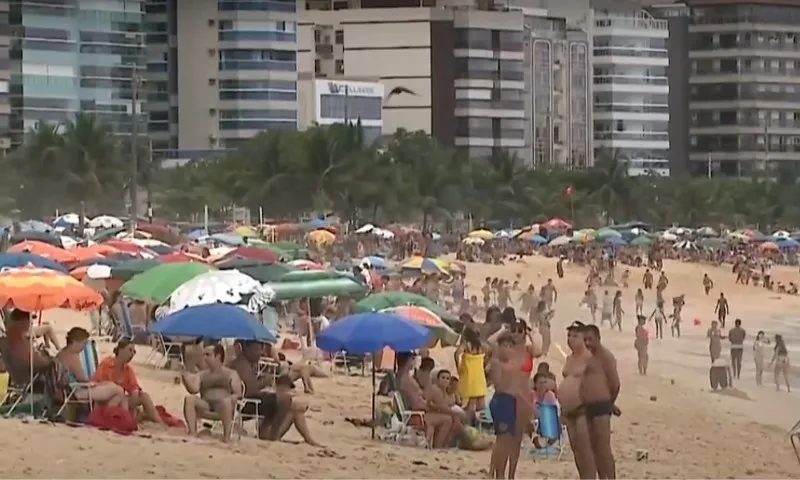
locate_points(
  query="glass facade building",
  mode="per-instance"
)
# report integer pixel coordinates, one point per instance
(70, 56)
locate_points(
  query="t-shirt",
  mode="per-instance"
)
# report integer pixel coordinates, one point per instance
(736, 337)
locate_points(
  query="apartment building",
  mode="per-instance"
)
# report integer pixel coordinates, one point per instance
(558, 77)
(631, 90)
(335, 100)
(73, 56)
(5, 77)
(219, 72)
(745, 88)
(466, 67)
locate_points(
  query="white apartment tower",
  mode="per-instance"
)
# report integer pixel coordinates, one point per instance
(631, 89)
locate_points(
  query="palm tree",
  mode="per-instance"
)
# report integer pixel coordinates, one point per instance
(41, 168)
(611, 184)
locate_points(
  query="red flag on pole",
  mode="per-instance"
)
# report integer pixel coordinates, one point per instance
(568, 191)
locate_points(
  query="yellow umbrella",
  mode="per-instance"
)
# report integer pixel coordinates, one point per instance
(426, 265)
(482, 234)
(247, 231)
(321, 237)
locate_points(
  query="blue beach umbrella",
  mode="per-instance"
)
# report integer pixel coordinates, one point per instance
(216, 321)
(615, 241)
(370, 332)
(787, 243)
(537, 240)
(375, 261)
(15, 260)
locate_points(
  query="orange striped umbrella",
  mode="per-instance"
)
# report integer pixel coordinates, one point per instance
(92, 251)
(43, 250)
(33, 289)
(421, 315)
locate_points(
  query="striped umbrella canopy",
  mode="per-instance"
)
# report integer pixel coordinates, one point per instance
(34, 289)
(422, 316)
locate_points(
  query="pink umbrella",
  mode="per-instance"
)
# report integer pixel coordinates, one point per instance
(303, 264)
(556, 223)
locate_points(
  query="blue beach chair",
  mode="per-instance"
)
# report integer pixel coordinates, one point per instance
(89, 360)
(550, 430)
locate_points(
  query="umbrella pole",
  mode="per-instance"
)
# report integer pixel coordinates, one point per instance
(372, 423)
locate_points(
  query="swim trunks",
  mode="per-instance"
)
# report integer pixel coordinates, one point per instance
(503, 408)
(599, 409)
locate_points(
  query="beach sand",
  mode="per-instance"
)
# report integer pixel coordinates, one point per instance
(688, 431)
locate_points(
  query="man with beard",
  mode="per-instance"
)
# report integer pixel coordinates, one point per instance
(572, 408)
(599, 390)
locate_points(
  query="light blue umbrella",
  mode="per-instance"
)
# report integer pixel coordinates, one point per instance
(228, 238)
(375, 261)
(34, 226)
(14, 260)
(195, 234)
(615, 241)
(787, 243)
(537, 240)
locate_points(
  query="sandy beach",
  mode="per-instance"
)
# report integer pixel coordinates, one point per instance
(688, 431)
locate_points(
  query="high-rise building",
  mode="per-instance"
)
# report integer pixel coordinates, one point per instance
(631, 90)
(219, 72)
(74, 56)
(558, 78)
(466, 64)
(5, 76)
(745, 61)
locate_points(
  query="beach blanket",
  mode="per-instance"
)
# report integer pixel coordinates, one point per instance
(116, 419)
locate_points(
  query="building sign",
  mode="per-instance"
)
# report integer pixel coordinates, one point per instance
(354, 89)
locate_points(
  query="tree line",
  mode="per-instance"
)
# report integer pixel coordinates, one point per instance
(407, 176)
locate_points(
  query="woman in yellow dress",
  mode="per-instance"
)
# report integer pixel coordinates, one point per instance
(469, 359)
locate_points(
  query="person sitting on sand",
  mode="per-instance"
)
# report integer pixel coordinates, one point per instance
(117, 369)
(438, 426)
(295, 371)
(107, 393)
(279, 410)
(436, 397)
(219, 389)
(542, 395)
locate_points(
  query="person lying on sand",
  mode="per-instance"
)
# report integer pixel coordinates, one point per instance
(279, 410)
(218, 387)
(117, 369)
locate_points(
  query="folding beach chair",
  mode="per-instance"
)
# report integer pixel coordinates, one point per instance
(125, 327)
(20, 389)
(239, 417)
(89, 361)
(794, 437)
(406, 415)
(549, 429)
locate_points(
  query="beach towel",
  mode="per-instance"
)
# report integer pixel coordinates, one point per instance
(116, 419)
(169, 419)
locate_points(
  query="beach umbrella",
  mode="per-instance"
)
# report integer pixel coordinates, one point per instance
(130, 247)
(680, 231)
(374, 261)
(197, 234)
(303, 264)
(15, 260)
(425, 265)
(95, 272)
(668, 236)
(43, 250)
(482, 234)
(781, 234)
(383, 300)
(342, 284)
(175, 257)
(106, 221)
(787, 243)
(110, 262)
(637, 231)
(502, 234)
(537, 240)
(320, 237)
(613, 241)
(607, 233)
(261, 271)
(527, 234)
(686, 245)
(422, 316)
(35, 226)
(33, 289)
(557, 224)
(247, 231)
(31, 235)
(365, 228)
(711, 242)
(108, 233)
(559, 241)
(67, 220)
(370, 332)
(642, 241)
(757, 237)
(93, 251)
(254, 253)
(473, 241)
(216, 286)
(157, 284)
(706, 232)
(768, 247)
(215, 321)
(129, 269)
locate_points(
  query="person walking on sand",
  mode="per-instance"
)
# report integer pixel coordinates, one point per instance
(510, 407)
(780, 359)
(569, 398)
(638, 299)
(647, 279)
(760, 355)
(640, 343)
(736, 337)
(663, 282)
(618, 311)
(600, 388)
(590, 300)
(560, 266)
(607, 309)
(550, 294)
(722, 309)
(707, 283)
(715, 337)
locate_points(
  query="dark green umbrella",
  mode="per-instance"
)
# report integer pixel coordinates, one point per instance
(641, 241)
(127, 270)
(35, 236)
(157, 284)
(384, 300)
(261, 271)
(107, 233)
(312, 275)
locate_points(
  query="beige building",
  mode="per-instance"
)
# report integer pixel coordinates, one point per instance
(5, 77)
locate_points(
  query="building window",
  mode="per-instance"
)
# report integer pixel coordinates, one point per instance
(316, 66)
(340, 67)
(339, 37)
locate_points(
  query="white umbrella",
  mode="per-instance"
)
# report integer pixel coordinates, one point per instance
(686, 245)
(558, 241)
(70, 218)
(707, 232)
(98, 272)
(670, 237)
(680, 230)
(68, 242)
(216, 286)
(106, 221)
(366, 228)
(638, 231)
(781, 234)
(379, 232)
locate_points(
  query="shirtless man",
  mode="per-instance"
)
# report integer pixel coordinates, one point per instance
(663, 282)
(438, 426)
(569, 398)
(549, 293)
(510, 406)
(647, 279)
(590, 300)
(599, 390)
(708, 284)
(640, 343)
(722, 309)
